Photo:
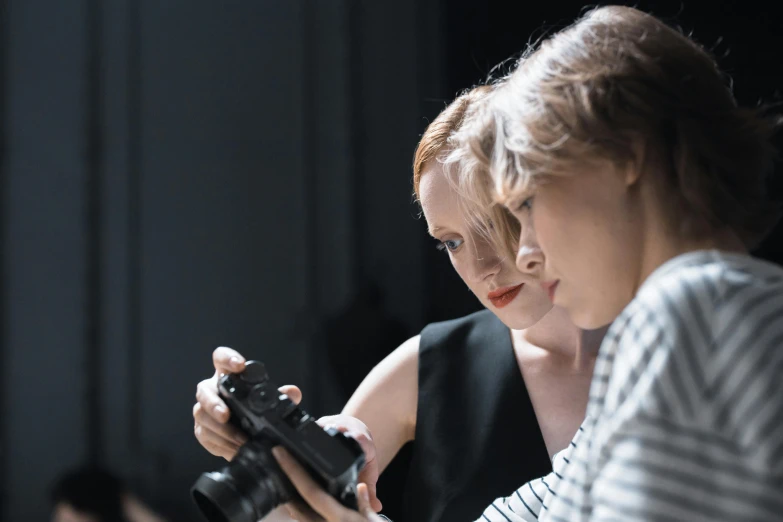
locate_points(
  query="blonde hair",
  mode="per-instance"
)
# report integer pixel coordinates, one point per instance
(617, 78)
(485, 217)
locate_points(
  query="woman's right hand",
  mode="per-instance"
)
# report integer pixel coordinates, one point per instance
(211, 414)
(320, 506)
(358, 431)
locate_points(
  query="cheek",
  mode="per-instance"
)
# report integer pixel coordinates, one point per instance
(564, 235)
(549, 230)
(580, 238)
(460, 269)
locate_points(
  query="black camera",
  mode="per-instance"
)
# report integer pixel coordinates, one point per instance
(253, 484)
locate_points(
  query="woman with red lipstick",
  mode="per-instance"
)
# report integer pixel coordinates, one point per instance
(620, 140)
(470, 391)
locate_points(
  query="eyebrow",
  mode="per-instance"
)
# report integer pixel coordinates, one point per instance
(432, 230)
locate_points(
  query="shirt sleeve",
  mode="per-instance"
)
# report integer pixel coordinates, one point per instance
(528, 502)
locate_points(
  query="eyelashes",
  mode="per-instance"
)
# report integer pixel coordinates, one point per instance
(450, 244)
(527, 204)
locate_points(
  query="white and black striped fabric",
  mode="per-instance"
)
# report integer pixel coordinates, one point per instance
(685, 419)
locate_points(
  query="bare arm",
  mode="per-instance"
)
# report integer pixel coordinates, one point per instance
(387, 399)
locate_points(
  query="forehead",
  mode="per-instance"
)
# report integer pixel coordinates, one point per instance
(439, 199)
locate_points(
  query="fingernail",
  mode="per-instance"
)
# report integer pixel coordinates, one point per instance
(236, 362)
(240, 439)
(277, 452)
(365, 494)
(220, 409)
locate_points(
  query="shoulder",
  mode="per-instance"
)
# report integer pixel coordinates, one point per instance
(696, 326)
(698, 293)
(396, 373)
(390, 387)
(474, 329)
(716, 274)
(479, 327)
(404, 359)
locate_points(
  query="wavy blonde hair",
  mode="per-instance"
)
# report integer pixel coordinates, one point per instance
(485, 217)
(616, 79)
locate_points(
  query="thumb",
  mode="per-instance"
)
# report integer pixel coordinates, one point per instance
(293, 392)
(375, 502)
(363, 495)
(369, 476)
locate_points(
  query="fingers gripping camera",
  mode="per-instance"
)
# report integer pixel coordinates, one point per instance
(253, 484)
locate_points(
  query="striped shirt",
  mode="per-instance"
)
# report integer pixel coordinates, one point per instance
(685, 417)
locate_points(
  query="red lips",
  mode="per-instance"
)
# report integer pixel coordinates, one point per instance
(503, 296)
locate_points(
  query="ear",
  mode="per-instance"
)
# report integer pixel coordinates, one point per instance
(637, 164)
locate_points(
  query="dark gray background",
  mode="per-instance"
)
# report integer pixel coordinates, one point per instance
(177, 175)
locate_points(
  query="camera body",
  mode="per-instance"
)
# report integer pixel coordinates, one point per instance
(253, 484)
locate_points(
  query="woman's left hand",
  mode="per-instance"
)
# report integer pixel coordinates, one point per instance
(322, 507)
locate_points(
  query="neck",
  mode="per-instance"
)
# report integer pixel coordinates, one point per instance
(556, 335)
(662, 244)
(661, 235)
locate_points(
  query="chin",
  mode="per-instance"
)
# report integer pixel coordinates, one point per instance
(518, 319)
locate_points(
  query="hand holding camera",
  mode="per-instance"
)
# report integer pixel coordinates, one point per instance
(253, 483)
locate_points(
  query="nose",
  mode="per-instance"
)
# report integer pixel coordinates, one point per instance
(484, 263)
(530, 260)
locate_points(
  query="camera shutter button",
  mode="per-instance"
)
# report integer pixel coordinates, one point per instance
(261, 400)
(254, 373)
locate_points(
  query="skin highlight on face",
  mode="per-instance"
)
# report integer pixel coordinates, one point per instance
(514, 295)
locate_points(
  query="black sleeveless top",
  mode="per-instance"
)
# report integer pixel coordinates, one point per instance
(477, 436)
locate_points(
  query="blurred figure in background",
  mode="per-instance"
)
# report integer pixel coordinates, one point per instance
(92, 494)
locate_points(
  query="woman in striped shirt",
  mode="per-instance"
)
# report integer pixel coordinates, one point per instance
(619, 140)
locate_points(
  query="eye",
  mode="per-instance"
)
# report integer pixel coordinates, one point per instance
(450, 244)
(525, 205)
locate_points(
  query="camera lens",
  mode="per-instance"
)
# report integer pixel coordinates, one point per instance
(220, 501)
(246, 490)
